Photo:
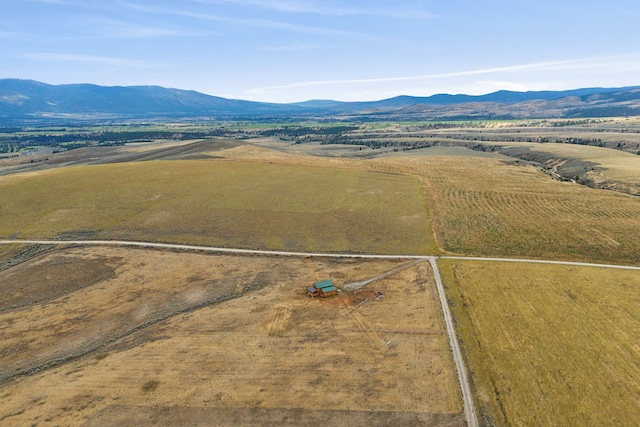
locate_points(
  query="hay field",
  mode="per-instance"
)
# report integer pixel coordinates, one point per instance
(195, 339)
(549, 345)
(485, 207)
(227, 203)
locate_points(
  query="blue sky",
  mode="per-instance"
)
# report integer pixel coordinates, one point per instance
(295, 50)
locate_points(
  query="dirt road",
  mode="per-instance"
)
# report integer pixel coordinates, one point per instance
(469, 408)
(357, 285)
(467, 398)
(298, 254)
(543, 261)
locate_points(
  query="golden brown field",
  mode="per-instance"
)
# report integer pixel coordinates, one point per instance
(224, 203)
(491, 207)
(180, 338)
(95, 336)
(486, 207)
(548, 344)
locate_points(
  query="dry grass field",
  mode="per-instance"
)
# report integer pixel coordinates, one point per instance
(109, 336)
(178, 338)
(486, 207)
(549, 345)
(219, 202)
(480, 204)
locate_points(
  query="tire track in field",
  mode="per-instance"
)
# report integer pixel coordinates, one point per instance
(101, 344)
(468, 404)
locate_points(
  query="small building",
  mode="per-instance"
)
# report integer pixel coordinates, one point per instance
(322, 289)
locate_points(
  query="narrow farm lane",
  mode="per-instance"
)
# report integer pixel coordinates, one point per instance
(467, 398)
(298, 254)
(469, 408)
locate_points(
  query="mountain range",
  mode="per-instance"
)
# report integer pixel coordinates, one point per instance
(32, 100)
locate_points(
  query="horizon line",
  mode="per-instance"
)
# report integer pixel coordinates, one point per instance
(319, 99)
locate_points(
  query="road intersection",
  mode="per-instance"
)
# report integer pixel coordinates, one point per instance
(469, 408)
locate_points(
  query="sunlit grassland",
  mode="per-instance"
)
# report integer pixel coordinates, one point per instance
(548, 344)
(227, 203)
(486, 207)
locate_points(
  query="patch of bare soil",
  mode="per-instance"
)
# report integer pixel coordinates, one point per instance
(66, 158)
(99, 155)
(51, 275)
(77, 300)
(191, 151)
(196, 339)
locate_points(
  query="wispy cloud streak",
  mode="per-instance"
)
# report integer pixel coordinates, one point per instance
(569, 64)
(255, 22)
(10, 34)
(123, 30)
(74, 3)
(296, 47)
(106, 60)
(305, 7)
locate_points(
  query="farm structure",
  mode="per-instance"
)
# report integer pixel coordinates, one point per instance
(322, 289)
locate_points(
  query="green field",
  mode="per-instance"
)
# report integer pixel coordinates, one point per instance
(549, 345)
(226, 203)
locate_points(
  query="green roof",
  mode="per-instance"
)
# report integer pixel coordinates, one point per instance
(329, 289)
(324, 284)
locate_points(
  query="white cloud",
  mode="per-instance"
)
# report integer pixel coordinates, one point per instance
(49, 1)
(9, 35)
(132, 31)
(74, 3)
(295, 47)
(292, 6)
(106, 60)
(267, 23)
(579, 64)
(249, 22)
(502, 85)
(611, 71)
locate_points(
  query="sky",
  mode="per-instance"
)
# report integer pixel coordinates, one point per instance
(297, 50)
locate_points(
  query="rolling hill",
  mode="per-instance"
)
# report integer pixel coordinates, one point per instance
(28, 99)
(31, 98)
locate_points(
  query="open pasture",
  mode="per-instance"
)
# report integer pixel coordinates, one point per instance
(486, 207)
(93, 336)
(221, 203)
(199, 339)
(548, 344)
